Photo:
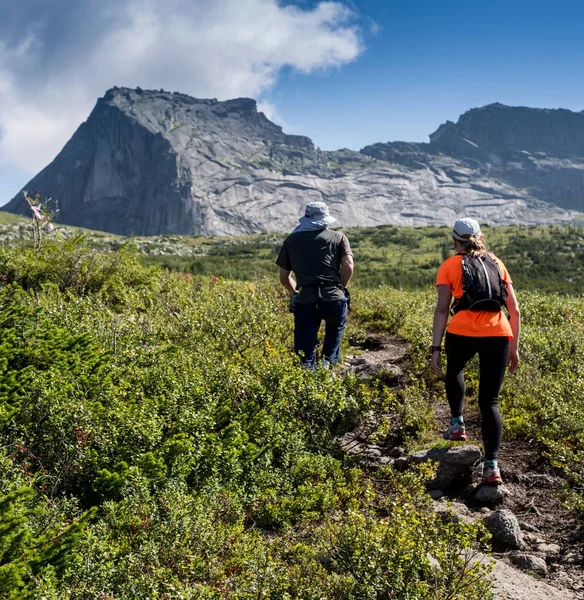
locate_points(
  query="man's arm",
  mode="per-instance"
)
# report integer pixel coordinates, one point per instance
(347, 269)
(287, 281)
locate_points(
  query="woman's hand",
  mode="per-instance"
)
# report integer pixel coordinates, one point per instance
(513, 362)
(436, 363)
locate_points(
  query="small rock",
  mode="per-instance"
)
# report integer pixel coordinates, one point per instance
(455, 468)
(573, 558)
(528, 562)
(528, 527)
(383, 461)
(366, 424)
(396, 451)
(505, 530)
(454, 512)
(549, 549)
(467, 491)
(371, 451)
(368, 370)
(434, 563)
(436, 494)
(532, 538)
(401, 463)
(490, 494)
(350, 445)
(536, 480)
(360, 360)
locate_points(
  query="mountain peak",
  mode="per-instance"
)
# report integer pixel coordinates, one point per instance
(503, 130)
(150, 162)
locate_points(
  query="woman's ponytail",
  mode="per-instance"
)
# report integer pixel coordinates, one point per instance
(474, 245)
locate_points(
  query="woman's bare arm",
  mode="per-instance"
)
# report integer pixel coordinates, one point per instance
(441, 313)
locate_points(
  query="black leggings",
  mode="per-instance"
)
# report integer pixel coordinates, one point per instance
(493, 356)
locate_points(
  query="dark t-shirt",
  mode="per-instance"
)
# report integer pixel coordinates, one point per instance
(315, 257)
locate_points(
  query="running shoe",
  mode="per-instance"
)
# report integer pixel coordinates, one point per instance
(492, 476)
(455, 432)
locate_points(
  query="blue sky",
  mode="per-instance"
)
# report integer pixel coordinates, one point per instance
(347, 74)
(431, 61)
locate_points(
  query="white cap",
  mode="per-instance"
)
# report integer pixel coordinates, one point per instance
(465, 228)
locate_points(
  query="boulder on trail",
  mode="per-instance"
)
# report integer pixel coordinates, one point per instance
(456, 465)
(504, 528)
(531, 563)
(490, 494)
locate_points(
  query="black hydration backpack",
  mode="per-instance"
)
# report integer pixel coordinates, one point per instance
(483, 287)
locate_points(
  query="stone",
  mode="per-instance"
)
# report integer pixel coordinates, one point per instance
(396, 451)
(389, 373)
(151, 162)
(434, 564)
(436, 494)
(401, 463)
(454, 512)
(512, 584)
(532, 538)
(372, 450)
(525, 526)
(529, 562)
(573, 558)
(456, 465)
(505, 530)
(490, 494)
(551, 550)
(349, 444)
(467, 491)
(537, 480)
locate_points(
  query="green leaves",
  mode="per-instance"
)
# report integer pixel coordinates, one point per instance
(175, 411)
(30, 550)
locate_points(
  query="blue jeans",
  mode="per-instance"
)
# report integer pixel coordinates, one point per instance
(307, 319)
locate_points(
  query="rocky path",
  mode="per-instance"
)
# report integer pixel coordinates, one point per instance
(538, 545)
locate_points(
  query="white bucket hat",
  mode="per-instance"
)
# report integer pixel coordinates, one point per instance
(317, 213)
(466, 228)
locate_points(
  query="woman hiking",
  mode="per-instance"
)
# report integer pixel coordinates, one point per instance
(480, 285)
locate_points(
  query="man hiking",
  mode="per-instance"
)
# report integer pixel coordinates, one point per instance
(322, 262)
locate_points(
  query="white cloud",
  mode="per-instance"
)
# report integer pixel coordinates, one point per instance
(65, 54)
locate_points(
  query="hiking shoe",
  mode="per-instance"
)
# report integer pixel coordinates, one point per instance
(492, 476)
(455, 433)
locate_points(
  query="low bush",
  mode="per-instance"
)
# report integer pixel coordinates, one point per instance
(171, 446)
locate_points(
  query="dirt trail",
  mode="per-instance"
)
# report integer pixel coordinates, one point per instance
(531, 488)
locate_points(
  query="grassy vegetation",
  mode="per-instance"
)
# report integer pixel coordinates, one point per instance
(8, 218)
(159, 440)
(538, 258)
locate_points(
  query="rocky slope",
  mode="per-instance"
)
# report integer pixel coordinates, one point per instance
(148, 162)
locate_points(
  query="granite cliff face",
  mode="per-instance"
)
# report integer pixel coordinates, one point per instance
(148, 162)
(540, 151)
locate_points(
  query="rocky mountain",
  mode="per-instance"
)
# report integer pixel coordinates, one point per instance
(155, 162)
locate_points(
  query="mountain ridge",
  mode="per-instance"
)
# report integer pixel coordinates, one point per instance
(151, 162)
